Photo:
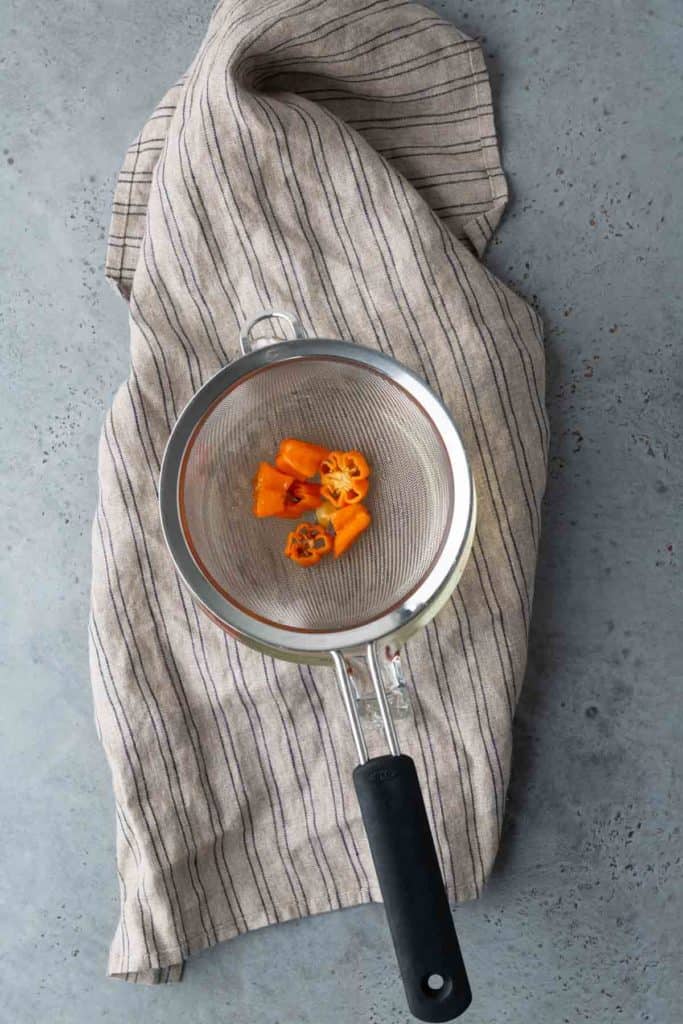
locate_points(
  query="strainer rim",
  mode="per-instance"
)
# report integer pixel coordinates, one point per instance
(249, 627)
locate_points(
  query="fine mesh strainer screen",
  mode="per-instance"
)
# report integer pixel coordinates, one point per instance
(343, 405)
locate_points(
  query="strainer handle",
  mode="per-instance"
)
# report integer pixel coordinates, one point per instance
(247, 342)
(408, 872)
(415, 900)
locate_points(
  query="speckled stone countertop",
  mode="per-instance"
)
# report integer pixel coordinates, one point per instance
(582, 919)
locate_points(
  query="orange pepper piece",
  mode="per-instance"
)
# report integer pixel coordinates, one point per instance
(306, 496)
(345, 478)
(307, 544)
(299, 458)
(290, 511)
(341, 495)
(354, 463)
(301, 497)
(341, 517)
(349, 523)
(270, 491)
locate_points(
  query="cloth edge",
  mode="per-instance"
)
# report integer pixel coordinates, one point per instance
(172, 960)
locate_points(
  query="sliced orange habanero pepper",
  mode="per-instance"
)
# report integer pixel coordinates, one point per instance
(304, 496)
(299, 458)
(344, 477)
(301, 497)
(270, 491)
(307, 544)
(348, 522)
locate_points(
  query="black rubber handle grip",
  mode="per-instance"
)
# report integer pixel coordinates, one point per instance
(414, 896)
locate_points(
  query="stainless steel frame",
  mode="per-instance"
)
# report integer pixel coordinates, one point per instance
(280, 641)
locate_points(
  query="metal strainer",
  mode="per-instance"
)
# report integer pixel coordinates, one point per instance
(392, 581)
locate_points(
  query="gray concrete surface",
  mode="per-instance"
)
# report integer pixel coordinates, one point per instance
(582, 919)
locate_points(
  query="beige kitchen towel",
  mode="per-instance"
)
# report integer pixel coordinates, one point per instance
(337, 160)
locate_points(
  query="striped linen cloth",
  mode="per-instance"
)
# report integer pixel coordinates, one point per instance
(337, 160)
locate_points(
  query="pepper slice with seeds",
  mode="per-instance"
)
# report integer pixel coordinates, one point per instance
(344, 477)
(307, 544)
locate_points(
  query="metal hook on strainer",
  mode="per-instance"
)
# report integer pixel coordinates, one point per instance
(387, 586)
